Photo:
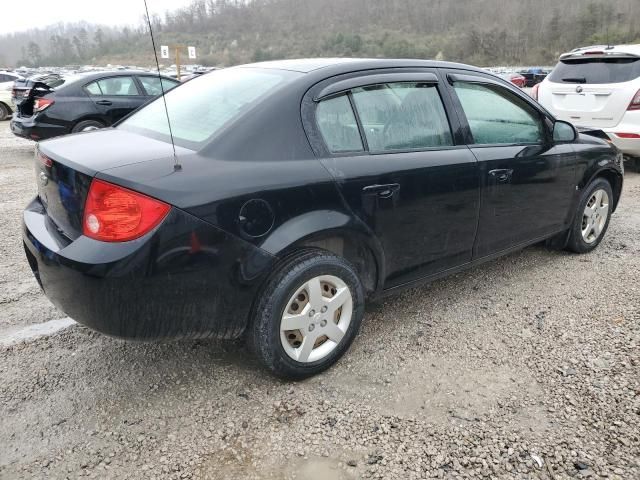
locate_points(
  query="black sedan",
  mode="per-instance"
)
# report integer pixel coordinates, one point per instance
(298, 189)
(54, 105)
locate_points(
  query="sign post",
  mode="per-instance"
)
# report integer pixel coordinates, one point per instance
(164, 53)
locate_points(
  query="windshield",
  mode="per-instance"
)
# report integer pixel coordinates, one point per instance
(596, 70)
(203, 106)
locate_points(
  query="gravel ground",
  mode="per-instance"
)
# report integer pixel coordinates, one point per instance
(527, 367)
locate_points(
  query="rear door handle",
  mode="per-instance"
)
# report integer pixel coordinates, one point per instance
(104, 102)
(382, 191)
(501, 175)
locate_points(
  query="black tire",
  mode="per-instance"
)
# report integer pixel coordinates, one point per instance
(87, 124)
(4, 112)
(263, 336)
(576, 242)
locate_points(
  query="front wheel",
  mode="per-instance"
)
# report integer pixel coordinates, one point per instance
(592, 218)
(307, 315)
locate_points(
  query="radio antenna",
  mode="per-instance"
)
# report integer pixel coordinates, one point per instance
(176, 163)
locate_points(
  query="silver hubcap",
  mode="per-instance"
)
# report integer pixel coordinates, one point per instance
(595, 216)
(90, 128)
(316, 319)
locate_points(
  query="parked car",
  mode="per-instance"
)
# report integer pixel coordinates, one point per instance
(299, 190)
(51, 105)
(8, 76)
(598, 87)
(533, 76)
(515, 78)
(5, 100)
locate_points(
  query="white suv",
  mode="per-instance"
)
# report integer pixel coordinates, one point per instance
(598, 87)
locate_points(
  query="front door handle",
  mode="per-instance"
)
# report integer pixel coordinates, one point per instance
(501, 175)
(104, 102)
(382, 191)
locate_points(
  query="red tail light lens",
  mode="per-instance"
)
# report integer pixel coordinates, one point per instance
(534, 91)
(41, 103)
(635, 102)
(627, 135)
(116, 214)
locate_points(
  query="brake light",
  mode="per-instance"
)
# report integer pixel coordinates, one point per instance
(635, 102)
(117, 214)
(41, 103)
(627, 135)
(534, 91)
(46, 161)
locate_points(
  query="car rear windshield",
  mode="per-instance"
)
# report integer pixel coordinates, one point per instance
(596, 70)
(203, 106)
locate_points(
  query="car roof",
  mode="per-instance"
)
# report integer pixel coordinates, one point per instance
(344, 65)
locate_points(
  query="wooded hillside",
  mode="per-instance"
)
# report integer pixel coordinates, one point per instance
(227, 32)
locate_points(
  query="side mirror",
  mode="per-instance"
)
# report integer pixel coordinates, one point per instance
(564, 132)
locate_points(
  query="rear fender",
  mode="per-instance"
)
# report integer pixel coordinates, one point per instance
(336, 232)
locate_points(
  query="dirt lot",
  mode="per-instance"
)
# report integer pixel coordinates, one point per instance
(528, 367)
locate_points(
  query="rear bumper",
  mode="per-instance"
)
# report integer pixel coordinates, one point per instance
(628, 146)
(31, 128)
(630, 123)
(186, 279)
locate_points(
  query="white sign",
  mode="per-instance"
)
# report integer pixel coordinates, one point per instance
(192, 52)
(164, 51)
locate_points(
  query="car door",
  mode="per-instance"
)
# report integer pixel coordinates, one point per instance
(400, 165)
(527, 180)
(115, 97)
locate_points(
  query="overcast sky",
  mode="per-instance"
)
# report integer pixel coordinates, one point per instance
(19, 16)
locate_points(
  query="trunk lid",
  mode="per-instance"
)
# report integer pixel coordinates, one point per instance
(66, 165)
(26, 90)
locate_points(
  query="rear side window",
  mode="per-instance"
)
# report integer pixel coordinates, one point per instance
(115, 86)
(152, 85)
(338, 125)
(496, 116)
(203, 106)
(596, 70)
(402, 116)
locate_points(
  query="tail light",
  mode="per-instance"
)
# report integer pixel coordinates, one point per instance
(635, 102)
(41, 103)
(627, 135)
(116, 214)
(534, 91)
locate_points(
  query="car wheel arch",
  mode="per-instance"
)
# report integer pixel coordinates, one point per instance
(611, 175)
(96, 118)
(335, 232)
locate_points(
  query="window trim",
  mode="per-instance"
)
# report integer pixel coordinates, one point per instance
(453, 77)
(342, 86)
(363, 137)
(98, 80)
(144, 89)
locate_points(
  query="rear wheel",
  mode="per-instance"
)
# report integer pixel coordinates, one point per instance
(87, 126)
(592, 218)
(308, 314)
(4, 112)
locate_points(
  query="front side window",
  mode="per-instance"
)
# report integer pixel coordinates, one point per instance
(114, 86)
(402, 116)
(152, 85)
(338, 125)
(496, 116)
